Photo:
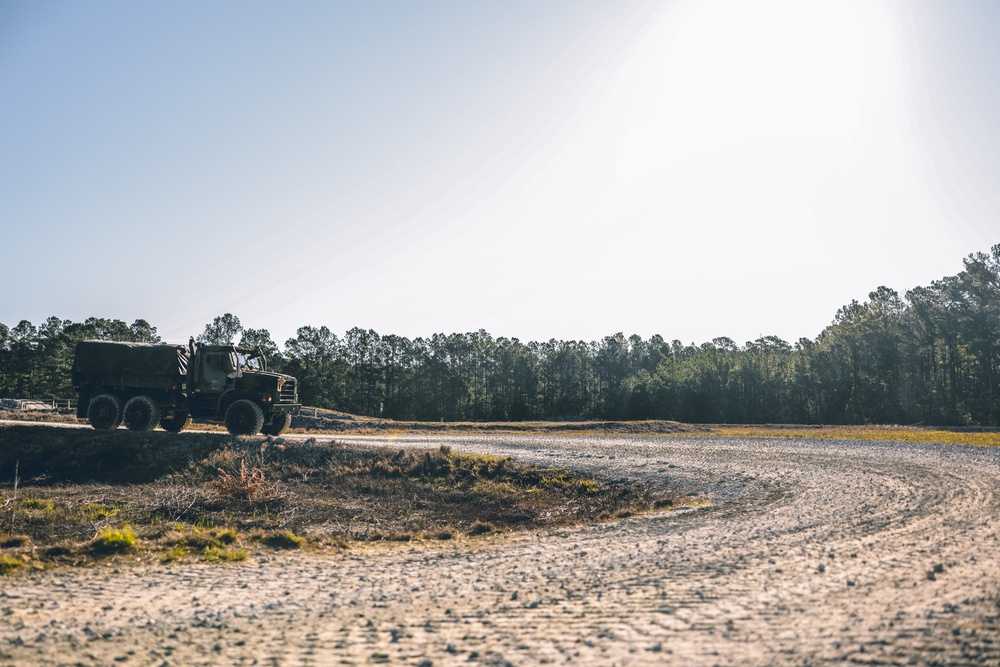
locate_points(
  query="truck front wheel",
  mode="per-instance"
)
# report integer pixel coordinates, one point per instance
(278, 424)
(244, 418)
(105, 412)
(141, 414)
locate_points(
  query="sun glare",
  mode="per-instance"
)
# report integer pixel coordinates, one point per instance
(730, 110)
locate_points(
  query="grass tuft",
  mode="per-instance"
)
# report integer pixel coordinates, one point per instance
(114, 541)
(10, 564)
(37, 504)
(217, 555)
(227, 536)
(282, 540)
(173, 554)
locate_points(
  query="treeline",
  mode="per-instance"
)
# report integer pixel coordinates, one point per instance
(930, 356)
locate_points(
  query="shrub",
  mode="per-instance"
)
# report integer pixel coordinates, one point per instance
(247, 484)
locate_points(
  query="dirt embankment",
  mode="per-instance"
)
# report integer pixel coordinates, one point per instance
(311, 419)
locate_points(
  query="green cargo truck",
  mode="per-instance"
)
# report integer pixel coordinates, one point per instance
(143, 386)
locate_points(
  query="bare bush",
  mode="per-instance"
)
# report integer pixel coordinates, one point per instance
(248, 484)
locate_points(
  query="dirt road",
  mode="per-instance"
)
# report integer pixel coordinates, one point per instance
(813, 552)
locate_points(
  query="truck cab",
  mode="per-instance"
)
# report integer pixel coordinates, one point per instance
(224, 376)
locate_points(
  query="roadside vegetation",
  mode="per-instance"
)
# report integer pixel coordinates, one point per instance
(977, 438)
(82, 497)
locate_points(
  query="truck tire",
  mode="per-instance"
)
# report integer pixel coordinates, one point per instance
(176, 422)
(105, 412)
(278, 424)
(244, 417)
(141, 414)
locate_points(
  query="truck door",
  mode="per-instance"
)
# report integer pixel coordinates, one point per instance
(215, 368)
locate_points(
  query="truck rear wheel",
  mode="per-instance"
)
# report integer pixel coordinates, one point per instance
(278, 424)
(244, 418)
(105, 412)
(176, 422)
(141, 414)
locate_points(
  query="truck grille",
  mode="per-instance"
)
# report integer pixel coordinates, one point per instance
(288, 392)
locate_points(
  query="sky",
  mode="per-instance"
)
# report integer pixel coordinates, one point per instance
(565, 169)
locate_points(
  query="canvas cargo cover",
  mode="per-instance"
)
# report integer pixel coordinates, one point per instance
(98, 356)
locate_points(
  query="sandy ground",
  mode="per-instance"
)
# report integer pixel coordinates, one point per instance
(813, 552)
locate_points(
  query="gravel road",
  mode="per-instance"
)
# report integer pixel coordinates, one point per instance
(812, 552)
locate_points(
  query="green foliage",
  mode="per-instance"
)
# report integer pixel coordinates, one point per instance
(96, 511)
(219, 555)
(37, 504)
(227, 536)
(175, 553)
(223, 330)
(10, 564)
(114, 541)
(282, 540)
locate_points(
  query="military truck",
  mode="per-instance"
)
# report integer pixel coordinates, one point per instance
(144, 385)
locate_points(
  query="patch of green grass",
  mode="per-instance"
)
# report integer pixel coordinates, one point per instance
(494, 488)
(217, 555)
(96, 511)
(227, 536)
(874, 433)
(114, 541)
(37, 504)
(200, 541)
(282, 540)
(10, 564)
(173, 554)
(568, 482)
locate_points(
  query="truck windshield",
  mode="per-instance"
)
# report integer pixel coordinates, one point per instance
(249, 362)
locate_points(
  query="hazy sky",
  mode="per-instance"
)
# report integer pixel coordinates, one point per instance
(559, 169)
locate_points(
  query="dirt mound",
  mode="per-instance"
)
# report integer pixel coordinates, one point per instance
(84, 455)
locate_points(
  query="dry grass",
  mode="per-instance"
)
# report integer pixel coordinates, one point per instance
(874, 433)
(245, 484)
(40, 416)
